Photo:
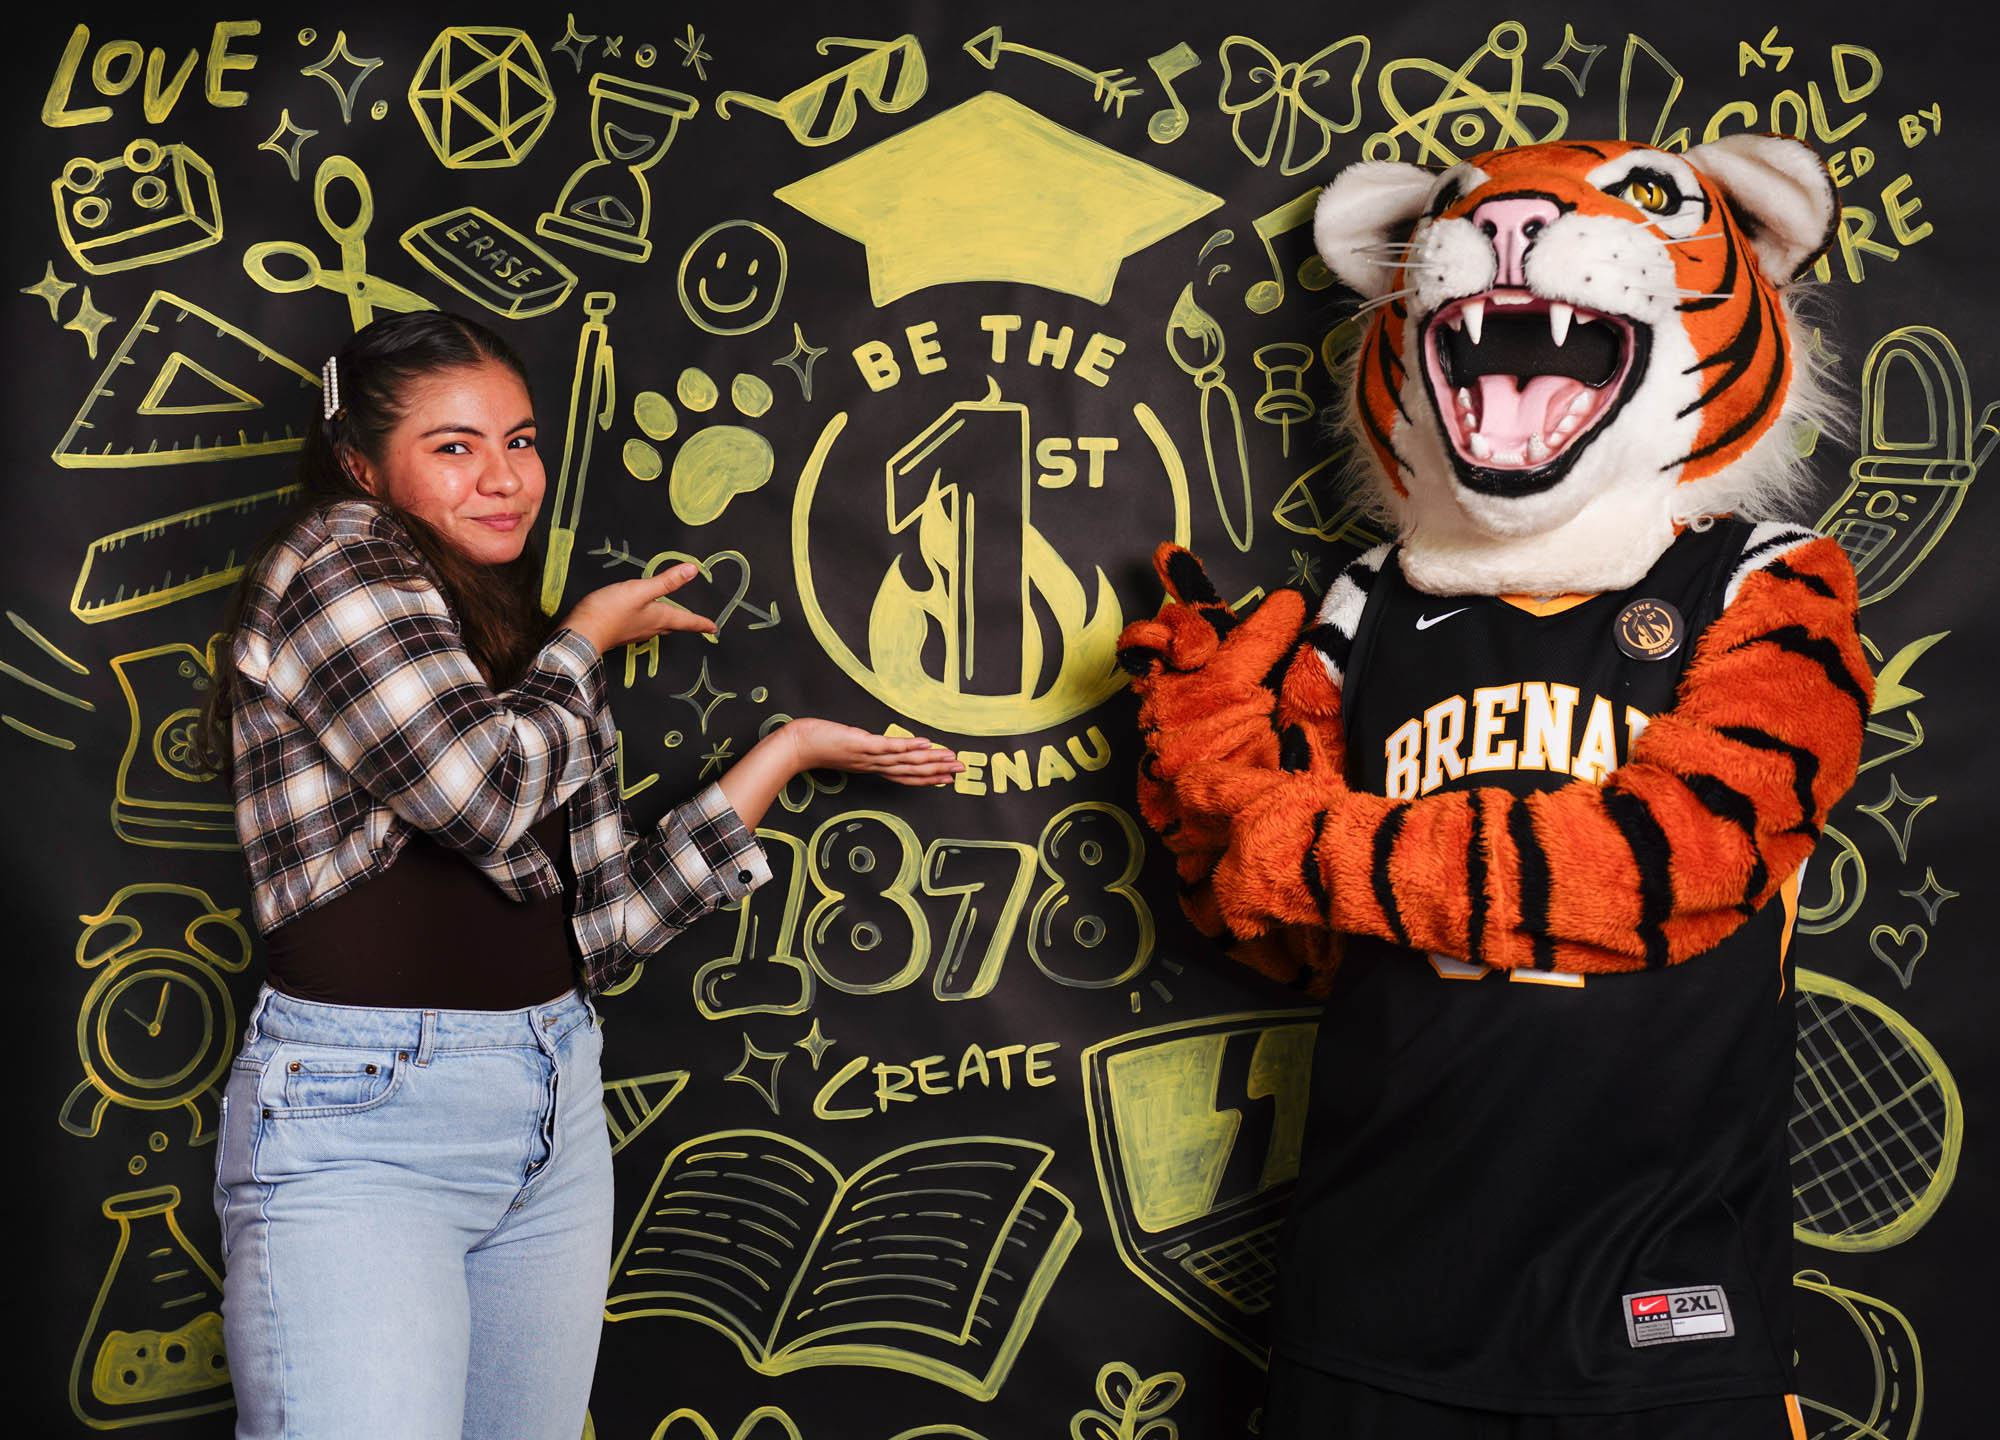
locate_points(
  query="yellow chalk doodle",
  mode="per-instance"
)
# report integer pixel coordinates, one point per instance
(1871, 1389)
(606, 205)
(1262, 93)
(365, 293)
(766, 1422)
(593, 396)
(1167, 125)
(88, 321)
(338, 54)
(51, 288)
(631, 1104)
(1091, 929)
(926, 644)
(754, 980)
(1110, 88)
(1207, 346)
(1922, 451)
(1295, 214)
(890, 75)
(152, 1348)
(288, 141)
(732, 299)
(718, 462)
(799, 360)
(759, 1070)
(172, 557)
(156, 1028)
(1847, 885)
(191, 347)
(151, 204)
(1135, 1407)
(1876, 1121)
(990, 190)
(481, 97)
(1483, 116)
(1565, 60)
(1284, 402)
(932, 1260)
(163, 796)
(1196, 1179)
(487, 260)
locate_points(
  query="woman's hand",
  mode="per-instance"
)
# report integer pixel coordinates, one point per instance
(636, 610)
(907, 760)
(753, 782)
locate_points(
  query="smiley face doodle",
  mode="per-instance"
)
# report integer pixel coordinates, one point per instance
(732, 277)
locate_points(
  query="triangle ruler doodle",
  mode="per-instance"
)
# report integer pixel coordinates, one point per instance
(184, 386)
(631, 1105)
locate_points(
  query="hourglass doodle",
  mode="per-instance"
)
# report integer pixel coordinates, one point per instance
(607, 206)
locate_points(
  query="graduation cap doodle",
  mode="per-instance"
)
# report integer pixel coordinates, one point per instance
(991, 190)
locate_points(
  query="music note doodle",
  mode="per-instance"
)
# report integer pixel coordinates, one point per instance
(1163, 127)
(1267, 295)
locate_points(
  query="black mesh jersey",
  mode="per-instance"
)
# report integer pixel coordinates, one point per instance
(1524, 1191)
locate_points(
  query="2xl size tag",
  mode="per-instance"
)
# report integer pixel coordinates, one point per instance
(1665, 1317)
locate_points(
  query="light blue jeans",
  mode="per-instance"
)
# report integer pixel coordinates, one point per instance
(416, 1220)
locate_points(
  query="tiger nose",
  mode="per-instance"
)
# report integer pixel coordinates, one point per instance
(1512, 226)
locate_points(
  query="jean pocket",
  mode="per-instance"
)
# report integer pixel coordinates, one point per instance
(305, 1082)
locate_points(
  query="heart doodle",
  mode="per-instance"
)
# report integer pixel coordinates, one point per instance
(1885, 939)
(767, 616)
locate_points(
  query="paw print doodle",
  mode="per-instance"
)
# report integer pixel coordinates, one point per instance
(716, 463)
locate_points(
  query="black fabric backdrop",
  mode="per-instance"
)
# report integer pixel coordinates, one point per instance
(989, 987)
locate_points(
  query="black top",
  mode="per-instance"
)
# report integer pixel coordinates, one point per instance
(431, 932)
(1518, 1193)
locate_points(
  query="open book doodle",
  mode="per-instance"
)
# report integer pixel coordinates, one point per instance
(932, 1259)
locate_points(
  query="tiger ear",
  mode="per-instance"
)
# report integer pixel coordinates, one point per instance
(1782, 195)
(1368, 205)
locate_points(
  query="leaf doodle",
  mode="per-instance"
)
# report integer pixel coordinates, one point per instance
(1134, 1408)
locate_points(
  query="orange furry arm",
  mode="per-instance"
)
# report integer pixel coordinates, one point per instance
(1723, 797)
(1206, 681)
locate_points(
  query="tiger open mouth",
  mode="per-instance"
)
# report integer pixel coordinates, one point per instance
(1521, 383)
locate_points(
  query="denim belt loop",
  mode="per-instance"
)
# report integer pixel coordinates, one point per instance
(264, 994)
(427, 1037)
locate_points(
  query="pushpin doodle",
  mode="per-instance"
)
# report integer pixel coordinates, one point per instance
(1464, 101)
(1284, 402)
(1110, 88)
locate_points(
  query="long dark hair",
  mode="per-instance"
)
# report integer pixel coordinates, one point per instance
(495, 604)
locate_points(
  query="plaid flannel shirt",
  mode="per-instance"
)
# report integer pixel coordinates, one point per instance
(360, 716)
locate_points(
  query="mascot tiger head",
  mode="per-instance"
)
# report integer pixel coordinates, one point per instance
(1576, 349)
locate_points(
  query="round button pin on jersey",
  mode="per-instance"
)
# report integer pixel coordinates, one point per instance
(1648, 629)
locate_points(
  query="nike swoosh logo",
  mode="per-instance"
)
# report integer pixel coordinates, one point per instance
(1424, 622)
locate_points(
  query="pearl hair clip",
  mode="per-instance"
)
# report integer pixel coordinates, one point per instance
(329, 379)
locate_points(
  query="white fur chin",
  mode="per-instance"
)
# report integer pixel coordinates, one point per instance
(1610, 544)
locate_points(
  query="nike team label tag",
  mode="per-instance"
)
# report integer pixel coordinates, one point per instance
(1663, 1317)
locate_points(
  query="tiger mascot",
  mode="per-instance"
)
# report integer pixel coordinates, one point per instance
(1517, 799)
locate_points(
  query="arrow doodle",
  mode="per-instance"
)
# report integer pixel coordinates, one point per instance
(1110, 88)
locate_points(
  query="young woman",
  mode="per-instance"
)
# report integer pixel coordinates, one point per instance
(413, 1177)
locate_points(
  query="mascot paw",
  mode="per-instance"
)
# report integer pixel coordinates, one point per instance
(1198, 661)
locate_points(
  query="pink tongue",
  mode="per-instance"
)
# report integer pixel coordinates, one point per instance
(1509, 415)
